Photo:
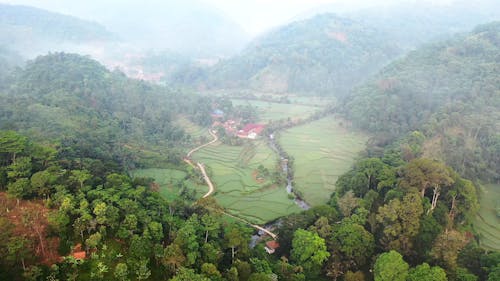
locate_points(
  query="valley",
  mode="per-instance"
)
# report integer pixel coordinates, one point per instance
(209, 140)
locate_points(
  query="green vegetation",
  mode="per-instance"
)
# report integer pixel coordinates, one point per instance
(172, 183)
(322, 151)
(450, 92)
(243, 188)
(487, 222)
(74, 100)
(271, 111)
(324, 55)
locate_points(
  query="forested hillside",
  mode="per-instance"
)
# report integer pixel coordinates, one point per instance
(325, 55)
(72, 99)
(27, 29)
(450, 91)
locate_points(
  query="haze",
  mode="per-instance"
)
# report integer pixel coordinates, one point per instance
(254, 16)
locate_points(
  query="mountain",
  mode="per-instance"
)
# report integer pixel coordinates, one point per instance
(323, 55)
(72, 99)
(188, 27)
(31, 31)
(419, 22)
(448, 90)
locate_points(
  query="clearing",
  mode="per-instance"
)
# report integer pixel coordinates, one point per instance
(233, 172)
(272, 111)
(323, 150)
(171, 181)
(487, 221)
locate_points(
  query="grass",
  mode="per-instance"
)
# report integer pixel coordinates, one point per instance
(168, 181)
(487, 222)
(271, 111)
(323, 150)
(233, 169)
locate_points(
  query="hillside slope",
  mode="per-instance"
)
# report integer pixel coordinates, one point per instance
(31, 30)
(450, 91)
(323, 55)
(70, 98)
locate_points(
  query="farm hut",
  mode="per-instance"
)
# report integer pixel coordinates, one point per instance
(271, 246)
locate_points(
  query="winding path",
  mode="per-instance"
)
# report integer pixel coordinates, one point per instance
(211, 188)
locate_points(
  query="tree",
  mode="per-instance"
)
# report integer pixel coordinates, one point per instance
(462, 274)
(93, 241)
(19, 249)
(121, 272)
(12, 143)
(425, 272)
(353, 243)
(347, 203)
(20, 169)
(354, 276)
(399, 221)
(42, 182)
(234, 237)
(210, 271)
(185, 274)
(309, 250)
(142, 271)
(447, 246)
(188, 241)
(390, 266)
(173, 257)
(19, 189)
(81, 176)
(210, 223)
(423, 174)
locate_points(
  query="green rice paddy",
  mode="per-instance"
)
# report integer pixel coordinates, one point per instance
(323, 150)
(271, 111)
(233, 171)
(168, 181)
(487, 222)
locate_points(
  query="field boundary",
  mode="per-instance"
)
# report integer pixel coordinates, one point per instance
(211, 188)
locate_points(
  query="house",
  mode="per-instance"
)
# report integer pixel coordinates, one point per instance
(271, 246)
(217, 113)
(251, 131)
(77, 252)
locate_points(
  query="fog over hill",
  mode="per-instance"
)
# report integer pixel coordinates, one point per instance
(31, 31)
(188, 27)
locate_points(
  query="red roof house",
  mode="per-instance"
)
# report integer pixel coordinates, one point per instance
(251, 131)
(271, 246)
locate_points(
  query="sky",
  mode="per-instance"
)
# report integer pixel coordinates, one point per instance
(254, 16)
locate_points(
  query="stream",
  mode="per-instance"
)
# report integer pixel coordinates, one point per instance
(289, 189)
(289, 176)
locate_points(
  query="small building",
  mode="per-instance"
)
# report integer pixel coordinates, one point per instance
(217, 114)
(251, 131)
(271, 246)
(77, 252)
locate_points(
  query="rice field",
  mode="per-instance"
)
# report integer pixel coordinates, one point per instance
(271, 111)
(322, 151)
(487, 222)
(233, 170)
(169, 181)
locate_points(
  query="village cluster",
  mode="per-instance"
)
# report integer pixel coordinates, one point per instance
(233, 127)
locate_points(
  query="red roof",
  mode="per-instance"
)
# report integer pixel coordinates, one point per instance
(272, 244)
(80, 255)
(256, 128)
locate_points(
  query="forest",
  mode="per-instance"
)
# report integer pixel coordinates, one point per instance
(339, 148)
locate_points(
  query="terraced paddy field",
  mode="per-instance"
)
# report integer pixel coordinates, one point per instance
(239, 187)
(198, 134)
(169, 181)
(270, 111)
(323, 150)
(487, 222)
